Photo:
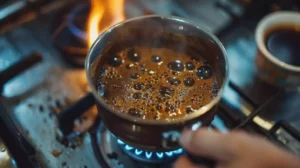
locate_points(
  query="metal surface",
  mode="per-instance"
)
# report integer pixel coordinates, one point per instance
(241, 51)
(35, 115)
(32, 97)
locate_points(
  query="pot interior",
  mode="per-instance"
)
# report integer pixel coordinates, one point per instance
(158, 32)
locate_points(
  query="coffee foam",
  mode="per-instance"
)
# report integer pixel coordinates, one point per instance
(150, 94)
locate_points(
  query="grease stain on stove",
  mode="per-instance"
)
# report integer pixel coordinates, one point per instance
(58, 104)
(64, 164)
(113, 155)
(29, 105)
(41, 108)
(73, 146)
(52, 114)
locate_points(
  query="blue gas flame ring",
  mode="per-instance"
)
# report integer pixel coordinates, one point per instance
(147, 156)
(71, 25)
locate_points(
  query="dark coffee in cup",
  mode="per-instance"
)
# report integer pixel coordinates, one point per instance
(155, 82)
(283, 42)
(278, 60)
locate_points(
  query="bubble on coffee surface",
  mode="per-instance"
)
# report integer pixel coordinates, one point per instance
(134, 76)
(156, 58)
(189, 81)
(135, 112)
(189, 66)
(166, 91)
(140, 87)
(204, 72)
(114, 60)
(134, 56)
(176, 65)
(174, 81)
(137, 95)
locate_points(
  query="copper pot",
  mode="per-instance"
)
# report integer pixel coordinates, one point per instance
(156, 135)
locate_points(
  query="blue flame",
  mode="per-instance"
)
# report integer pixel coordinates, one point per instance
(178, 151)
(71, 25)
(120, 142)
(138, 152)
(170, 154)
(159, 155)
(127, 147)
(147, 155)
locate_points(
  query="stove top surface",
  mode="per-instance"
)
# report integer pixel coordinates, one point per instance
(35, 96)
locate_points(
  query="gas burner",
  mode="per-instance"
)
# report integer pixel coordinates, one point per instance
(80, 11)
(112, 152)
(147, 156)
(69, 30)
(69, 34)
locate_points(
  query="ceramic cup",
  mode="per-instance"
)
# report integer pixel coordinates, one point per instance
(270, 68)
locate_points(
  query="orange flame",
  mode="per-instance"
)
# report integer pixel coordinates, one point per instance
(103, 14)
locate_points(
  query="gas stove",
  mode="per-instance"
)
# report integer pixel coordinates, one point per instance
(40, 79)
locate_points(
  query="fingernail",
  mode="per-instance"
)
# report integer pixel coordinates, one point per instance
(186, 137)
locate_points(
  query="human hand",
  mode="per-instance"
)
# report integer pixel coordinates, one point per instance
(234, 150)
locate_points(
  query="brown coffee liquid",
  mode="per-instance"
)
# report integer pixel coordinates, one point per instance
(155, 83)
(283, 42)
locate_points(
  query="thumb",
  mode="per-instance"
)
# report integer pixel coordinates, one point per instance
(210, 144)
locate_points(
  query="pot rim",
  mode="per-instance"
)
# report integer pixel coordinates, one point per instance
(136, 120)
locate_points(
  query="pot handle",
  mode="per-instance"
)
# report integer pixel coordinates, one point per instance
(67, 116)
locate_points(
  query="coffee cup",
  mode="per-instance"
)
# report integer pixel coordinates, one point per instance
(277, 60)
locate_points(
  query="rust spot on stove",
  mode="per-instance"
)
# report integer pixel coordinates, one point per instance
(56, 153)
(54, 110)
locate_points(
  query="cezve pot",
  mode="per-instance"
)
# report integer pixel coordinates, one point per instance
(156, 135)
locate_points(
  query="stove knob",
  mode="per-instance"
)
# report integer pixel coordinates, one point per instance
(170, 139)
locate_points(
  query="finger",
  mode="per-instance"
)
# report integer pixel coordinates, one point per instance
(184, 162)
(207, 143)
